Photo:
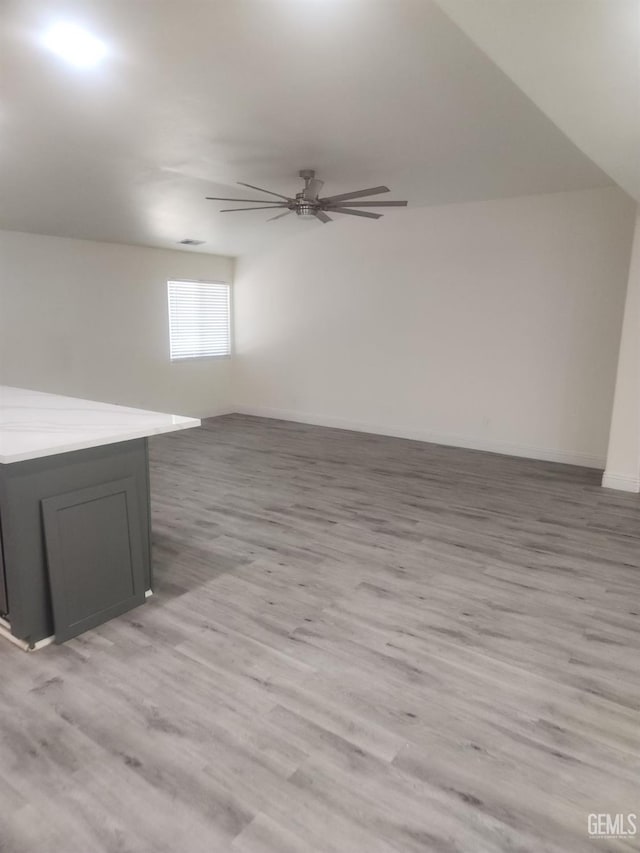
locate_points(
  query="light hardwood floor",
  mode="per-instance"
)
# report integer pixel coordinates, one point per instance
(357, 644)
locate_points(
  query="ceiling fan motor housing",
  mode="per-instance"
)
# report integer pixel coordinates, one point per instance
(304, 207)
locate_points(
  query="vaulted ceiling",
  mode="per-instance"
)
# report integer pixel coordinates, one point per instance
(194, 96)
(578, 61)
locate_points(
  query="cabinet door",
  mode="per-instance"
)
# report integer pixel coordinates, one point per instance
(94, 555)
(4, 603)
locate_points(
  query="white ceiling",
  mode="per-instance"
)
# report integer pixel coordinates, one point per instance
(196, 95)
(579, 61)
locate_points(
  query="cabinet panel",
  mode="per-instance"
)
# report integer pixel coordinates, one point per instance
(94, 555)
(4, 603)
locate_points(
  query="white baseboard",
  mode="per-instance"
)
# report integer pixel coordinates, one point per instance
(5, 633)
(42, 643)
(452, 440)
(621, 482)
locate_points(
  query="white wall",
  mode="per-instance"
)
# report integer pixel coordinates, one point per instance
(623, 456)
(90, 320)
(493, 325)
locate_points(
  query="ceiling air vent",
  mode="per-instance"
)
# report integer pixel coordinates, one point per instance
(191, 242)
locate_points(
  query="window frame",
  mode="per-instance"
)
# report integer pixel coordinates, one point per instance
(203, 357)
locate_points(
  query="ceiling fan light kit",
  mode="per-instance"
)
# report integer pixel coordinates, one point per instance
(308, 204)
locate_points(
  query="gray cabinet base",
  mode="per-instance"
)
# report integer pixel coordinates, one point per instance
(27, 487)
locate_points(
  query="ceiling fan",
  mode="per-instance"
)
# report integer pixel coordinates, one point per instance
(308, 204)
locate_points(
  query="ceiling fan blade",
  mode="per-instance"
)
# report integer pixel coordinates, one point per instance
(357, 194)
(355, 212)
(280, 215)
(251, 187)
(312, 189)
(242, 200)
(370, 203)
(263, 207)
(322, 216)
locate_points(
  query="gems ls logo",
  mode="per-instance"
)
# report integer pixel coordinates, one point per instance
(605, 825)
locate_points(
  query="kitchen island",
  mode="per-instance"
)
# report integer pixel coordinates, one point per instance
(75, 524)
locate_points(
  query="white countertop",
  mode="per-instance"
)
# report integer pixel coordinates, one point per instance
(35, 424)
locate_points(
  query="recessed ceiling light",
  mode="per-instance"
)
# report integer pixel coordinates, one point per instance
(190, 242)
(75, 45)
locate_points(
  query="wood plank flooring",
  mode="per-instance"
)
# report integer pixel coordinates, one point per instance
(357, 644)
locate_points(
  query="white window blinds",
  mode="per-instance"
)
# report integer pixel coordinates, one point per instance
(199, 319)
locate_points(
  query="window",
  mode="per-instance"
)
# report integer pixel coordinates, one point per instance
(199, 319)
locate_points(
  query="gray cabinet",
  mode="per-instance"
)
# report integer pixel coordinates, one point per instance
(94, 558)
